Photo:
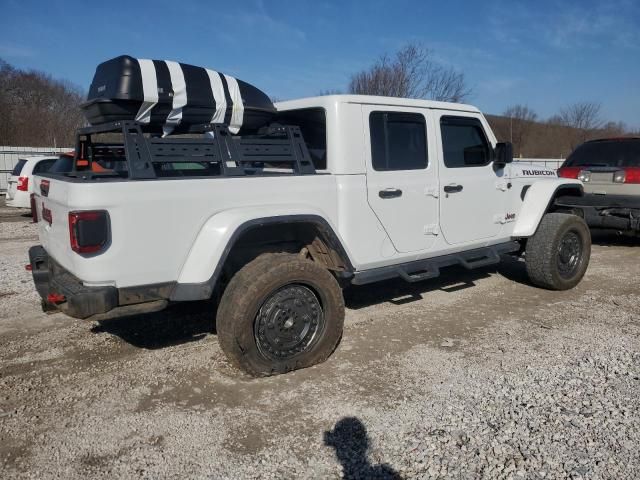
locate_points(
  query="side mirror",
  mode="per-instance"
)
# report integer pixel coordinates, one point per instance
(503, 153)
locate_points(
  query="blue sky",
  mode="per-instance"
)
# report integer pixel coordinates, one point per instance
(545, 53)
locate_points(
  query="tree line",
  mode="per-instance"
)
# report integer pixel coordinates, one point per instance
(556, 136)
(37, 110)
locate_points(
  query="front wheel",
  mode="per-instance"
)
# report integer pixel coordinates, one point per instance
(557, 255)
(280, 312)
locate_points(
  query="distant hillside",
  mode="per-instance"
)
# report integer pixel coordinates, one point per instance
(547, 139)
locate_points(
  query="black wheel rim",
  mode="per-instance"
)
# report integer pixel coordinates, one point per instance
(289, 322)
(569, 254)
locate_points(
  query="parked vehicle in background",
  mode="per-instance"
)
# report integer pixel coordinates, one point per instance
(610, 171)
(20, 185)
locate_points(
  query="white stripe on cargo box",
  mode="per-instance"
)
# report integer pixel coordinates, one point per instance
(237, 107)
(217, 88)
(149, 90)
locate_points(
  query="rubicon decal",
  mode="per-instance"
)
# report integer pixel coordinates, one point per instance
(510, 216)
(535, 173)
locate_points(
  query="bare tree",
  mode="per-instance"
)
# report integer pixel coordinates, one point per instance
(411, 73)
(521, 120)
(551, 138)
(615, 129)
(37, 110)
(584, 118)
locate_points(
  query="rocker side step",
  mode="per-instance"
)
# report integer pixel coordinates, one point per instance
(430, 268)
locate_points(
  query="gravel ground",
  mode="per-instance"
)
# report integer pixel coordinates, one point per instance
(473, 375)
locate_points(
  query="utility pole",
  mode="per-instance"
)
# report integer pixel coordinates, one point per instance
(511, 129)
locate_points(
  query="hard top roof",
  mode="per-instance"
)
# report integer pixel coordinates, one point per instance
(332, 100)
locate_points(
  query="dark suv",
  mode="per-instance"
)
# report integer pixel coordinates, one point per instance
(610, 171)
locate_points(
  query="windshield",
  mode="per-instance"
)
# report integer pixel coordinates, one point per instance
(607, 153)
(18, 168)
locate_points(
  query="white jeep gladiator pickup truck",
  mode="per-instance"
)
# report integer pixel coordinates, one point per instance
(336, 190)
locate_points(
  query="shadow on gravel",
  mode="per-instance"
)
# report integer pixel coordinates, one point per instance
(350, 440)
(514, 269)
(192, 321)
(178, 324)
(608, 238)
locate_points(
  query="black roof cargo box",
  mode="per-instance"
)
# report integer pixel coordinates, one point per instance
(172, 96)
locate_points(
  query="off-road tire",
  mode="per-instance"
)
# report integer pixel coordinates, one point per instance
(543, 251)
(258, 282)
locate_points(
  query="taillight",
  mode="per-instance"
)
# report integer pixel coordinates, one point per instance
(23, 184)
(44, 188)
(569, 172)
(89, 231)
(632, 175)
(34, 210)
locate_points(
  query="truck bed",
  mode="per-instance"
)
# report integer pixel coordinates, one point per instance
(155, 223)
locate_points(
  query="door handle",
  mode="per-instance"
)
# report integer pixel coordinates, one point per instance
(452, 188)
(390, 193)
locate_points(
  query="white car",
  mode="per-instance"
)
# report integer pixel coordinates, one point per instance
(20, 185)
(272, 224)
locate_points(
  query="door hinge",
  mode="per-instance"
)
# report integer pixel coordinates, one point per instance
(499, 218)
(502, 186)
(431, 229)
(432, 192)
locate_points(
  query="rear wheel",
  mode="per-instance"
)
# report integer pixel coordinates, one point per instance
(279, 313)
(557, 255)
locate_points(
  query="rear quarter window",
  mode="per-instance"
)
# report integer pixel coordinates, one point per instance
(64, 164)
(313, 125)
(18, 168)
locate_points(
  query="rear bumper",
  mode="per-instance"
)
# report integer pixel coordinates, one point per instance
(81, 301)
(618, 212)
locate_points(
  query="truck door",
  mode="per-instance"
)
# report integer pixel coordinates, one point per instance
(472, 191)
(402, 178)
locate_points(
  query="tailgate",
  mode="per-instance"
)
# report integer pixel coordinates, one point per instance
(51, 197)
(601, 181)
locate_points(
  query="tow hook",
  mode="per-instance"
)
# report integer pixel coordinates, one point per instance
(56, 298)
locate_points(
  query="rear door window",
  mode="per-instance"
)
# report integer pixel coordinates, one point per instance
(18, 168)
(398, 141)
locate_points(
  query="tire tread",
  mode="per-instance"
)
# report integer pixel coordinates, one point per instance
(540, 251)
(251, 282)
